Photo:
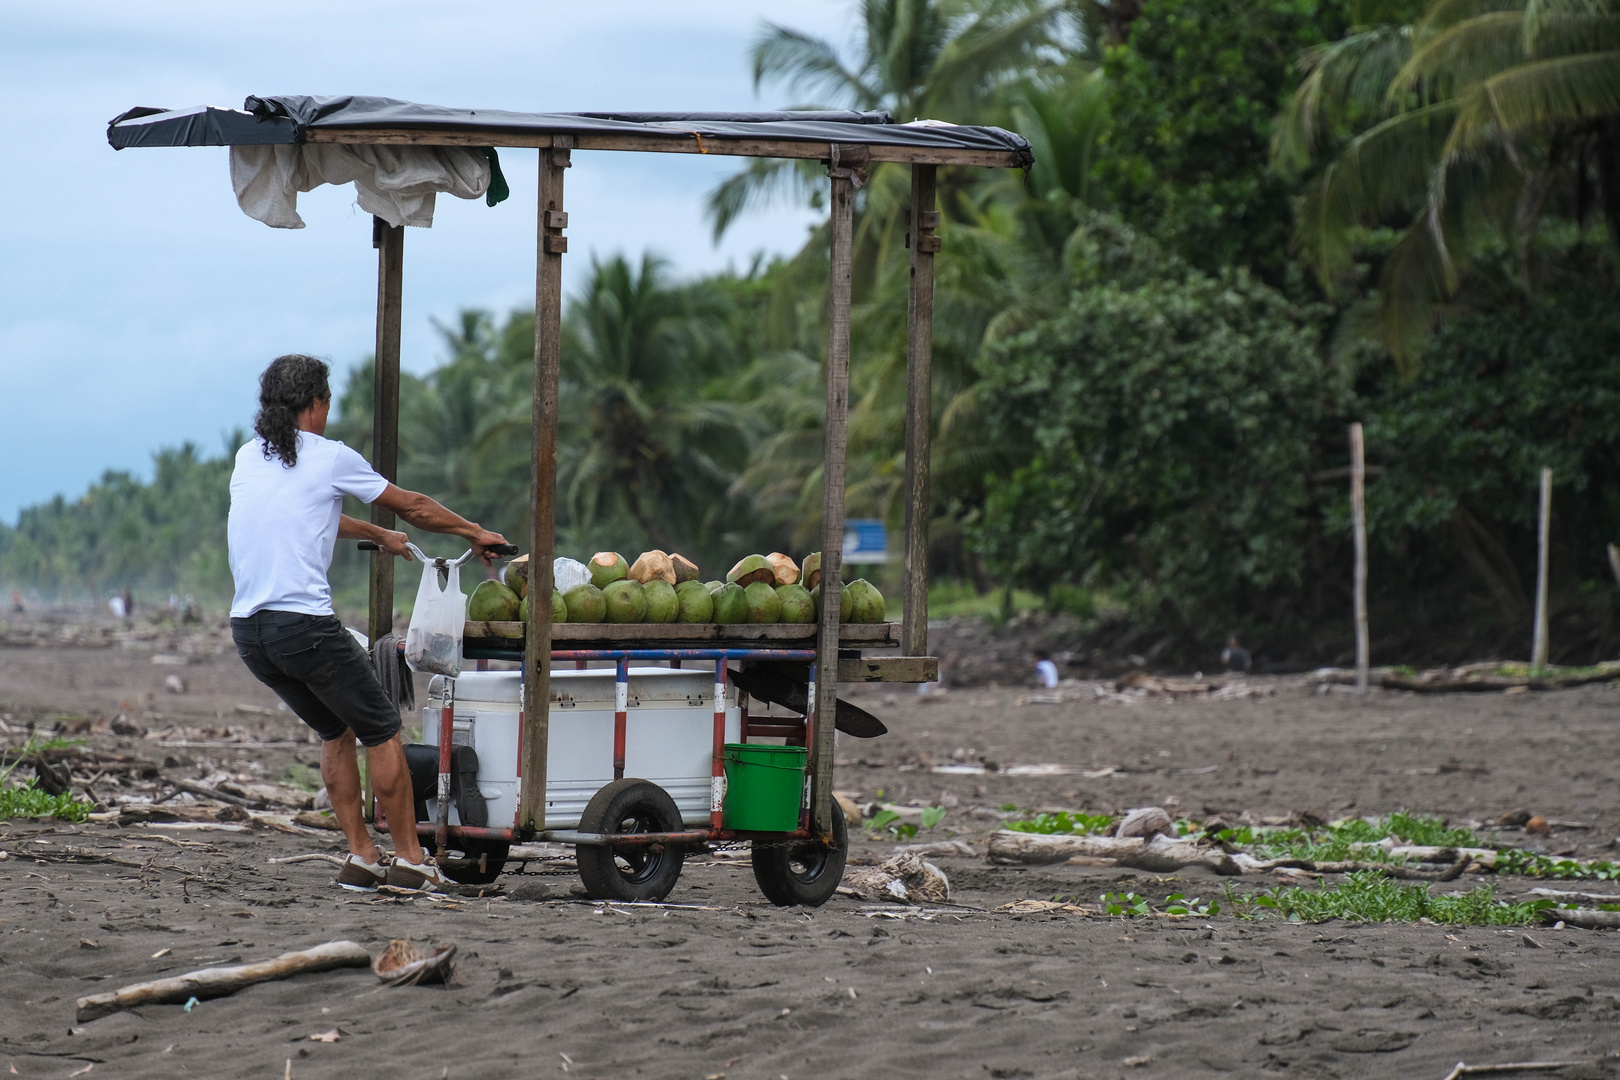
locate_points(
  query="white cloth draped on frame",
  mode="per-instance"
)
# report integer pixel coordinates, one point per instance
(396, 183)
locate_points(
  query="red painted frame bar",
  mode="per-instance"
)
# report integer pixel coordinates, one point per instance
(447, 731)
(621, 713)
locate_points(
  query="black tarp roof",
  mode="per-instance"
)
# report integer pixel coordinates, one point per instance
(286, 119)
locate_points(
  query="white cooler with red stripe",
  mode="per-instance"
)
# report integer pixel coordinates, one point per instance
(669, 736)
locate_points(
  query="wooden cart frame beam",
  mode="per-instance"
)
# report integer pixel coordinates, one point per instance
(661, 143)
(924, 219)
(550, 244)
(389, 240)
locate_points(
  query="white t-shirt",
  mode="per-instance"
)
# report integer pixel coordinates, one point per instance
(284, 522)
(1046, 673)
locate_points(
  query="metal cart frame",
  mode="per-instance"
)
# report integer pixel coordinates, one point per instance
(848, 144)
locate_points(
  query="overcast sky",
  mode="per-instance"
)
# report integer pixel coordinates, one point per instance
(138, 303)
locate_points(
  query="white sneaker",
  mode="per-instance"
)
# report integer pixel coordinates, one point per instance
(424, 875)
(357, 875)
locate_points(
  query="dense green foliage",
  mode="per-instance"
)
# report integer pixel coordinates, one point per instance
(1170, 416)
(1196, 88)
(1140, 387)
(1445, 143)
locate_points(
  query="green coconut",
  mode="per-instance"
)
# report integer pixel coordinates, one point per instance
(797, 607)
(516, 575)
(752, 568)
(559, 607)
(843, 603)
(730, 604)
(663, 606)
(713, 586)
(696, 605)
(865, 602)
(585, 604)
(626, 601)
(492, 602)
(523, 610)
(607, 567)
(763, 606)
(810, 570)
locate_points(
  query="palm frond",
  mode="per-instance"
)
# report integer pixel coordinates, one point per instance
(1462, 54)
(1536, 97)
(1540, 14)
(994, 43)
(1342, 77)
(1385, 171)
(760, 183)
(1444, 13)
(799, 60)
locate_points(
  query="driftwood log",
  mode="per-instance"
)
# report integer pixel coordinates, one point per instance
(1585, 918)
(1476, 678)
(1156, 855)
(220, 981)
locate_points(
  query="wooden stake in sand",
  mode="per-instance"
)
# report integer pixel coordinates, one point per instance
(220, 981)
(1358, 511)
(1538, 645)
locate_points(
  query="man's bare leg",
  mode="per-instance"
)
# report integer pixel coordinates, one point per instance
(340, 768)
(391, 782)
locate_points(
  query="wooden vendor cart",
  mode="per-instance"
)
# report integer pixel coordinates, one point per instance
(620, 839)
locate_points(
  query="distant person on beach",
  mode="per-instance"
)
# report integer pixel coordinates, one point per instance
(1046, 672)
(1235, 656)
(286, 517)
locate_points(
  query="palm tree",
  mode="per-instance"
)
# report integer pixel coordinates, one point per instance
(650, 444)
(945, 59)
(1470, 125)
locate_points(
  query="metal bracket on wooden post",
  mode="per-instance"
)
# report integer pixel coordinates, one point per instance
(919, 412)
(536, 723)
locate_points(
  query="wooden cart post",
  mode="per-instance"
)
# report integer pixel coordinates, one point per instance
(924, 219)
(551, 244)
(832, 503)
(389, 240)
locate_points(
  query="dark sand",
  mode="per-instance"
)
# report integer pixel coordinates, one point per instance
(566, 987)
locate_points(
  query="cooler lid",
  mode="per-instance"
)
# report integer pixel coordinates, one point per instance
(593, 686)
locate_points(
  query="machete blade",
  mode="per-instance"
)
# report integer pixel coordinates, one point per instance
(793, 695)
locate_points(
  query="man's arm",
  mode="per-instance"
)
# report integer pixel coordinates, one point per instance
(390, 541)
(419, 510)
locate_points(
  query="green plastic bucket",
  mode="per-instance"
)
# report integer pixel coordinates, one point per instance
(764, 787)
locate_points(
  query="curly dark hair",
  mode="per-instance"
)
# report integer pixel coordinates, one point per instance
(291, 384)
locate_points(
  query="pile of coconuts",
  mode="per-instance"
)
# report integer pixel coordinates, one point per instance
(663, 588)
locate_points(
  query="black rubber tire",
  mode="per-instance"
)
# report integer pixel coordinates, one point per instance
(480, 862)
(630, 874)
(806, 873)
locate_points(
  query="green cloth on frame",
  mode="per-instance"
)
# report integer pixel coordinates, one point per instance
(499, 191)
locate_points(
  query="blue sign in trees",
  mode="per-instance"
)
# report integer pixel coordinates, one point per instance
(866, 540)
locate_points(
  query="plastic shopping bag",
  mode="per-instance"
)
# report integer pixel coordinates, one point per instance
(433, 642)
(567, 573)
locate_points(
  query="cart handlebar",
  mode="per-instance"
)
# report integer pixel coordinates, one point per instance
(503, 550)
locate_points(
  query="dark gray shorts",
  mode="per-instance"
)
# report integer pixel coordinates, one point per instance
(320, 671)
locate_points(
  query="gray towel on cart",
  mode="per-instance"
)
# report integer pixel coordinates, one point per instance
(395, 675)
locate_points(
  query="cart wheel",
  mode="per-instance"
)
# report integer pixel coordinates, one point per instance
(630, 873)
(480, 863)
(807, 872)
